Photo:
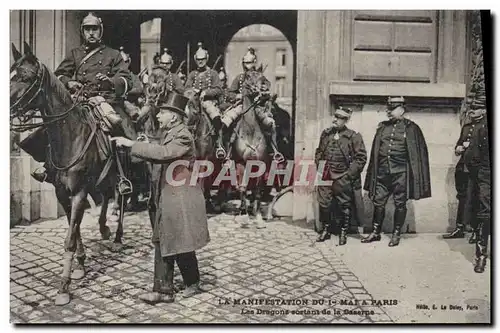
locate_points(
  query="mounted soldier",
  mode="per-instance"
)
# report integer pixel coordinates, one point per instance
(224, 103)
(241, 86)
(98, 73)
(205, 82)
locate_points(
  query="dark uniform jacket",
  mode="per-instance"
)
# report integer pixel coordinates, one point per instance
(354, 152)
(205, 80)
(237, 87)
(472, 156)
(107, 61)
(419, 179)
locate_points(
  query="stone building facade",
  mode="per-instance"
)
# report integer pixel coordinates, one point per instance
(350, 58)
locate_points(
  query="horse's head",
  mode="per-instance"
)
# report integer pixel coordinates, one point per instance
(26, 80)
(156, 87)
(193, 107)
(255, 82)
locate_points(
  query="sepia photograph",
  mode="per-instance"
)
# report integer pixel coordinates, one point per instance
(250, 166)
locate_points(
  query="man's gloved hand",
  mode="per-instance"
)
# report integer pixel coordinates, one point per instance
(74, 86)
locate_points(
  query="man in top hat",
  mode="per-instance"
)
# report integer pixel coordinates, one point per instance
(103, 74)
(206, 82)
(399, 166)
(344, 152)
(178, 217)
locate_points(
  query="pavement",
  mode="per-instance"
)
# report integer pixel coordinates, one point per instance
(245, 270)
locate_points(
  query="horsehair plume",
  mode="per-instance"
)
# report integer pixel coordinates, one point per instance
(122, 48)
(251, 50)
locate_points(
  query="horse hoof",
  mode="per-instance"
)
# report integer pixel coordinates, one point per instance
(116, 247)
(106, 233)
(261, 226)
(78, 274)
(113, 218)
(62, 299)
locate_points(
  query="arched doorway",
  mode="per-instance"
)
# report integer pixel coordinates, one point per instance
(274, 52)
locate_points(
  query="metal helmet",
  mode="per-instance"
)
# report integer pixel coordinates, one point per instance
(125, 56)
(250, 56)
(201, 53)
(92, 20)
(166, 58)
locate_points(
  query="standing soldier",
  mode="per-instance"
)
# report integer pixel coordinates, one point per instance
(205, 81)
(103, 75)
(345, 155)
(478, 161)
(399, 165)
(466, 189)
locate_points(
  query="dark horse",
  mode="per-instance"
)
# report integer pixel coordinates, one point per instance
(205, 137)
(72, 151)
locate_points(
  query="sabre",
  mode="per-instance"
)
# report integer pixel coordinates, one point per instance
(217, 61)
(180, 67)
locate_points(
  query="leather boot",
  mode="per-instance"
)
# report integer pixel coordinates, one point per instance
(399, 220)
(344, 227)
(220, 153)
(324, 217)
(378, 219)
(458, 232)
(481, 246)
(474, 236)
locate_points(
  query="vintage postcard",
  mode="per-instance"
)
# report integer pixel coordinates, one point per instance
(250, 166)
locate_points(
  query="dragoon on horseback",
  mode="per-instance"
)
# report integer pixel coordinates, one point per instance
(253, 84)
(97, 74)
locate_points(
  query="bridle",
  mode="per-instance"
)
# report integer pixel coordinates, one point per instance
(24, 102)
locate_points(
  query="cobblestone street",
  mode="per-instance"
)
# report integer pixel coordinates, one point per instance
(281, 261)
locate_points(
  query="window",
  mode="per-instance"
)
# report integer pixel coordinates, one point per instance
(280, 87)
(281, 57)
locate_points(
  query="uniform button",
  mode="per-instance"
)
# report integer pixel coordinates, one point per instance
(84, 73)
(389, 150)
(85, 62)
(100, 62)
(100, 52)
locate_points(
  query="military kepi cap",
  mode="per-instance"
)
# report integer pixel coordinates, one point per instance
(343, 112)
(395, 100)
(175, 102)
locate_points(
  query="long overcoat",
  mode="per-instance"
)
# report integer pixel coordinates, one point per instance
(419, 179)
(180, 218)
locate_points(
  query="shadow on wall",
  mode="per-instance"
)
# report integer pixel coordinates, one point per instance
(451, 198)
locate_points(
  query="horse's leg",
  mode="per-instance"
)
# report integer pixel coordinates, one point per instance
(257, 204)
(70, 245)
(243, 207)
(103, 228)
(119, 231)
(115, 207)
(79, 271)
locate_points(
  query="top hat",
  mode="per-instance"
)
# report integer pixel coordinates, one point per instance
(176, 103)
(396, 100)
(343, 112)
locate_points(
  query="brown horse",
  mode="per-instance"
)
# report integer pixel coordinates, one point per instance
(72, 151)
(251, 143)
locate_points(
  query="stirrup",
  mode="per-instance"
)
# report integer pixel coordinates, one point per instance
(278, 157)
(124, 186)
(220, 153)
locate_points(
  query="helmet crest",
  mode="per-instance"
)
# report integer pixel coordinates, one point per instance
(166, 58)
(201, 53)
(250, 56)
